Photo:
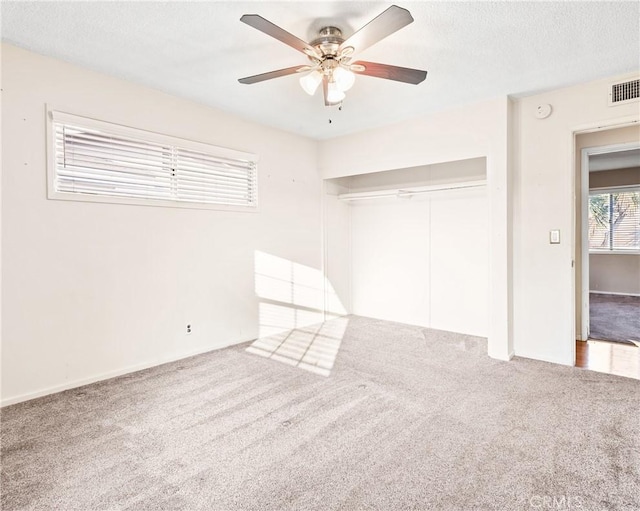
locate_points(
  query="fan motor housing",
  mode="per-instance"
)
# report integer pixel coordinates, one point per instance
(328, 41)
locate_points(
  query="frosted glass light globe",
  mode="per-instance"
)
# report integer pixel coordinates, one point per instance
(344, 78)
(334, 95)
(310, 82)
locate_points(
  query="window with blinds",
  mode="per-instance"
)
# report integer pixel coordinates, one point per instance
(108, 162)
(614, 220)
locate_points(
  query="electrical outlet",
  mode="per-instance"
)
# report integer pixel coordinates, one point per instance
(188, 329)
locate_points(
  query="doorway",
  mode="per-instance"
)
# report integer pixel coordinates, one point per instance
(608, 236)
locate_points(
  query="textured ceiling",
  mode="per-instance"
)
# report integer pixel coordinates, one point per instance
(472, 50)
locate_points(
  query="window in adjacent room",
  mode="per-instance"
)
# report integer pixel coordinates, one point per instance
(95, 160)
(614, 220)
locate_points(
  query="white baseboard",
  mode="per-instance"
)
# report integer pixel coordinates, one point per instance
(106, 376)
(613, 293)
(535, 356)
(504, 358)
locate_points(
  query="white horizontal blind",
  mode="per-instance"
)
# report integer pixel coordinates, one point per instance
(614, 220)
(128, 164)
(201, 177)
(94, 162)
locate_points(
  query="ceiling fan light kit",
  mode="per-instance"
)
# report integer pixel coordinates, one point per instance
(310, 82)
(344, 78)
(330, 55)
(334, 95)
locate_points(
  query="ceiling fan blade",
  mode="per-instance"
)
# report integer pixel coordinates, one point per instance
(268, 76)
(259, 23)
(385, 24)
(399, 74)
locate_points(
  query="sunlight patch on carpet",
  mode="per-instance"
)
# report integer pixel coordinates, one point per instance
(312, 348)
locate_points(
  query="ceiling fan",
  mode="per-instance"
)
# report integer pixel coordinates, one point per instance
(331, 55)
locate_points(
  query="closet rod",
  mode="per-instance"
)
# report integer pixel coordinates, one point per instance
(408, 193)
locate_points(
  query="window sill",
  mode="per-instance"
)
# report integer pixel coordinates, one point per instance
(108, 199)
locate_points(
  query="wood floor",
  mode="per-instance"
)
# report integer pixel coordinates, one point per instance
(609, 357)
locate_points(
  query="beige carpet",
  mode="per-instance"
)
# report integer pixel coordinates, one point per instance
(407, 419)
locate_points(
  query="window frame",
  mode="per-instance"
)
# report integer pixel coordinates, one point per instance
(54, 115)
(612, 189)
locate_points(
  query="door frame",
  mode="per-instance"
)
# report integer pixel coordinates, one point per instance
(586, 152)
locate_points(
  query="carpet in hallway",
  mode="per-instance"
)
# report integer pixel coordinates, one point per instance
(614, 317)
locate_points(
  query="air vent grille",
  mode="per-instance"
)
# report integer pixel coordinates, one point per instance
(624, 92)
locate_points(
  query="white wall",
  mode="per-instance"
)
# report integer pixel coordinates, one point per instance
(424, 260)
(544, 180)
(92, 289)
(615, 273)
(1, 236)
(337, 249)
(473, 131)
(390, 259)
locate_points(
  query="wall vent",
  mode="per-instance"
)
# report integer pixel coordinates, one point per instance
(624, 92)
